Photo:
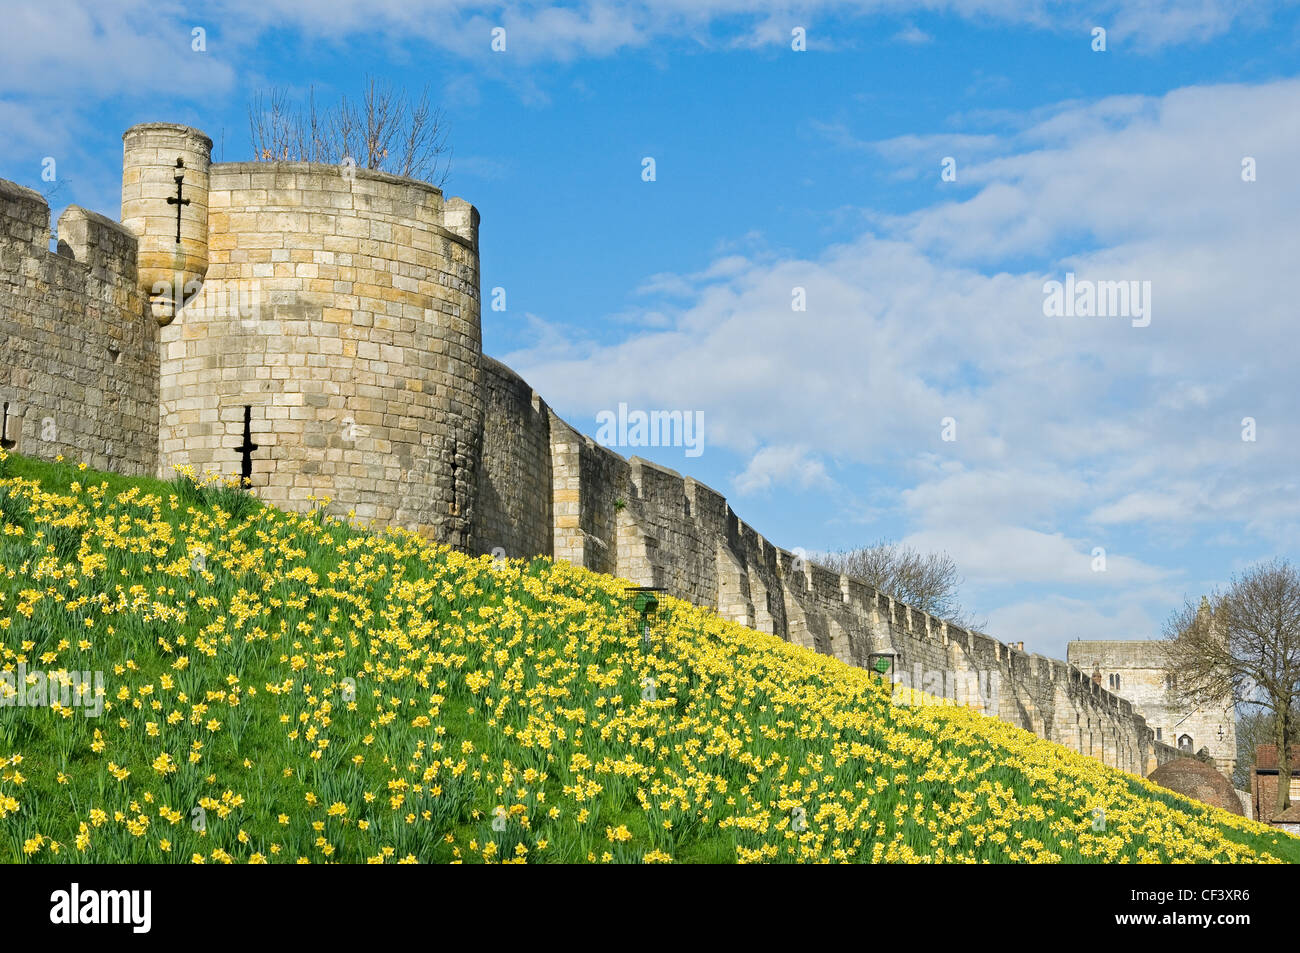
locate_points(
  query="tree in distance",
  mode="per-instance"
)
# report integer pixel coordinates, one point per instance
(1242, 644)
(925, 581)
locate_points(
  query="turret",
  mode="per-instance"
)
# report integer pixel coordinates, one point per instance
(165, 203)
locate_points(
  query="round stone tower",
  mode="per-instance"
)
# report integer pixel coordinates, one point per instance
(165, 203)
(334, 347)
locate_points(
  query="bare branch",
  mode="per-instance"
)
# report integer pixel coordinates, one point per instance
(925, 581)
(1243, 644)
(384, 131)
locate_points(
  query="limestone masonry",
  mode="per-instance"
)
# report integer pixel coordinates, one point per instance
(319, 325)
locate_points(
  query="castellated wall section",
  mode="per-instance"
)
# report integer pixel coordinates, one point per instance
(641, 521)
(78, 355)
(319, 325)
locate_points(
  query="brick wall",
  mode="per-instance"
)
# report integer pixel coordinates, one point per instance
(1265, 779)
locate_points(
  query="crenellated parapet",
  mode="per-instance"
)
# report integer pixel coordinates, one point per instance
(656, 527)
(78, 357)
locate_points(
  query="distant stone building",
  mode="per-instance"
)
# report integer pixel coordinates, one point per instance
(1263, 788)
(1135, 669)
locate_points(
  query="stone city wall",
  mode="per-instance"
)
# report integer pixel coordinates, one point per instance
(513, 515)
(654, 527)
(78, 355)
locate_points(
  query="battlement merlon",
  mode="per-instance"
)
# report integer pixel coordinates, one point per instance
(462, 218)
(104, 246)
(24, 217)
(107, 250)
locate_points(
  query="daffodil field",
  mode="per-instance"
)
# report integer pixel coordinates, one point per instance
(294, 688)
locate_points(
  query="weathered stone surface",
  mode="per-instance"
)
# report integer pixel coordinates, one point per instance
(1197, 779)
(151, 153)
(356, 352)
(78, 356)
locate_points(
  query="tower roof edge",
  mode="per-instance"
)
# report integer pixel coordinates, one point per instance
(168, 127)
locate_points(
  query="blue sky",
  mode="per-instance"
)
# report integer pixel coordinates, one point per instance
(820, 169)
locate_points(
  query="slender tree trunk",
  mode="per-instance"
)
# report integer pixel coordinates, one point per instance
(1283, 758)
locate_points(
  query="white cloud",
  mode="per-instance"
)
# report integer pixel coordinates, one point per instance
(108, 48)
(789, 466)
(1009, 555)
(104, 49)
(543, 31)
(1071, 433)
(1048, 625)
(913, 35)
